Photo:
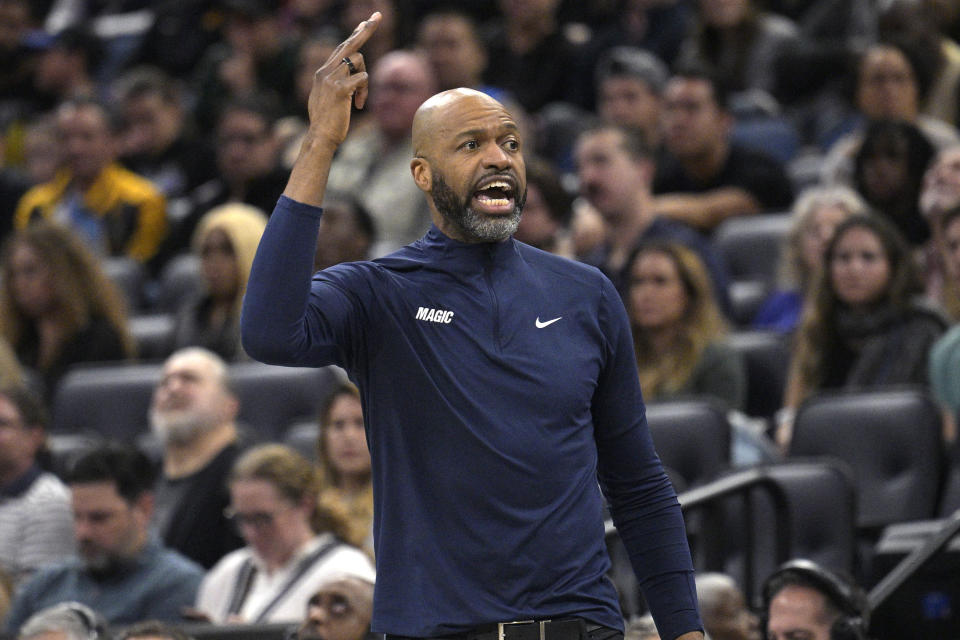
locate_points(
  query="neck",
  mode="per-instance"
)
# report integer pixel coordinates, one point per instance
(12, 473)
(624, 231)
(705, 165)
(182, 459)
(299, 538)
(662, 339)
(353, 484)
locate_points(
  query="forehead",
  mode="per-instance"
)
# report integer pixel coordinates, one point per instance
(254, 491)
(474, 114)
(859, 236)
(192, 364)
(94, 495)
(882, 58)
(689, 89)
(86, 116)
(604, 140)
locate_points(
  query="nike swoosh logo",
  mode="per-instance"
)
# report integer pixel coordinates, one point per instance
(541, 325)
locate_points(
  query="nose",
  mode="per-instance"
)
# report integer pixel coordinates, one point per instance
(495, 156)
(316, 614)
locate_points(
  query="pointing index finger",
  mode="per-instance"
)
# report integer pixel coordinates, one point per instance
(359, 36)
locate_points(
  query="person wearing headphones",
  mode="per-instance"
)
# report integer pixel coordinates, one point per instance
(804, 600)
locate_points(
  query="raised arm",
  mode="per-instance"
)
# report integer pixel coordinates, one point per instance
(334, 85)
(274, 321)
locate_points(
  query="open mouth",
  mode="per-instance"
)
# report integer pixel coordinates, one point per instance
(495, 196)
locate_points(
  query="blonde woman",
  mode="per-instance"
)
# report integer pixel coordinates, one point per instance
(816, 213)
(57, 307)
(273, 503)
(678, 329)
(225, 240)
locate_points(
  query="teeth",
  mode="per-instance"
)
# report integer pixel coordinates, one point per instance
(497, 184)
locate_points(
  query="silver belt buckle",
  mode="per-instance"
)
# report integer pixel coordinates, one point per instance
(501, 631)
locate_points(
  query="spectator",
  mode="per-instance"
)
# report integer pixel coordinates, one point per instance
(340, 609)
(193, 413)
(888, 173)
(724, 609)
(888, 86)
(158, 140)
(58, 307)
(547, 212)
(616, 173)
(65, 621)
(804, 600)
(248, 167)
(940, 194)
(531, 57)
(739, 43)
(116, 211)
(121, 571)
(373, 164)
(344, 457)
(863, 327)
(35, 518)
(254, 58)
(457, 54)
(816, 213)
(67, 67)
(273, 501)
(225, 240)
(705, 178)
(944, 361)
(346, 232)
(630, 85)
(678, 329)
(17, 61)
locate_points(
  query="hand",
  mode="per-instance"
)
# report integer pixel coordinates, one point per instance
(334, 86)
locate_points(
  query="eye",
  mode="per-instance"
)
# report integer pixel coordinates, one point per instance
(512, 145)
(470, 145)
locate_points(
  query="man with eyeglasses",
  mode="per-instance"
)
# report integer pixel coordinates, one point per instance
(340, 610)
(120, 570)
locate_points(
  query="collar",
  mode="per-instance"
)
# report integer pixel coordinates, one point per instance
(305, 549)
(465, 256)
(20, 485)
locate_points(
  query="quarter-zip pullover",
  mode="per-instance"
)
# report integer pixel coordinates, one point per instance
(498, 385)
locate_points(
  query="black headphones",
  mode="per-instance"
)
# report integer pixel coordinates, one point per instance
(849, 598)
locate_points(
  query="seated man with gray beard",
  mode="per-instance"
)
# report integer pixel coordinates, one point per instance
(193, 413)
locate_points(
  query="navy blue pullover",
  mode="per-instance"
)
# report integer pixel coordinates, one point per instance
(498, 383)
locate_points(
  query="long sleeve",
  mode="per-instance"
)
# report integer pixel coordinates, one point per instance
(642, 500)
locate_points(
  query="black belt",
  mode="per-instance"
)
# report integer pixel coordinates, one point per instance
(564, 629)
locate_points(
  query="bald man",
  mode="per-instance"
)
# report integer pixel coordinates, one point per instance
(498, 384)
(724, 609)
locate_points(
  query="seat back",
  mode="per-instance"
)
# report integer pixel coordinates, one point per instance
(692, 437)
(179, 281)
(766, 356)
(153, 335)
(273, 398)
(130, 278)
(750, 245)
(111, 401)
(891, 440)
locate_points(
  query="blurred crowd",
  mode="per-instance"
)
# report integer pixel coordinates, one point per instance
(143, 146)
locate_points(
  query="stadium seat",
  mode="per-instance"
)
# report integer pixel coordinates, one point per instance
(767, 358)
(302, 437)
(153, 334)
(111, 401)
(891, 440)
(750, 245)
(179, 281)
(692, 437)
(130, 277)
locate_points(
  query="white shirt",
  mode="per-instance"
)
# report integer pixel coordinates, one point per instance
(218, 585)
(36, 526)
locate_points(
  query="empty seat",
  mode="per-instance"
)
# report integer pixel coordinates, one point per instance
(766, 356)
(130, 277)
(179, 281)
(891, 440)
(153, 335)
(692, 437)
(302, 437)
(750, 245)
(111, 401)
(272, 398)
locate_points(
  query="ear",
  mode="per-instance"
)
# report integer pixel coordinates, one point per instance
(144, 505)
(422, 174)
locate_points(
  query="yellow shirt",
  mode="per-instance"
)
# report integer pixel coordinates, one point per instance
(131, 209)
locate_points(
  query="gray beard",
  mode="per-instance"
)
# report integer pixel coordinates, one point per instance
(179, 429)
(473, 226)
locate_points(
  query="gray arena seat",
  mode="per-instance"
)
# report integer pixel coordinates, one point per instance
(153, 335)
(891, 440)
(179, 281)
(692, 437)
(130, 277)
(750, 245)
(111, 401)
(767, 358)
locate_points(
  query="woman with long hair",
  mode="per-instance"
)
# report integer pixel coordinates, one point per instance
(863, 327)
(678, 329)
(345, 464)
(815, 215)
(225, 240)
(57, 306)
